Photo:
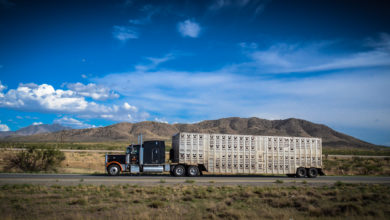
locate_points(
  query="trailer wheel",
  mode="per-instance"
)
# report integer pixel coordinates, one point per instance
(301, 172)
(179, 170)
(193, 171)
(313, 173)
(113, 170)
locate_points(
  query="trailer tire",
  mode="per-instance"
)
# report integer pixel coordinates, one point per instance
(179, 170)
(192, 171)
(312, 173)
(301, 172)
(113, 170)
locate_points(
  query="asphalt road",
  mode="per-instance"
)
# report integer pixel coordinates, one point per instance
(74, 179)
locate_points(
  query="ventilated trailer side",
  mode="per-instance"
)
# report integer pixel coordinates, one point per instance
(248, 154)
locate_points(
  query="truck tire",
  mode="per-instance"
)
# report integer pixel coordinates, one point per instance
(192, 171)
(179, 170)
(312, 173)
(301, 172)
(113, 170)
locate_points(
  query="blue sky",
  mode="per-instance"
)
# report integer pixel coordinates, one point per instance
(95, 63)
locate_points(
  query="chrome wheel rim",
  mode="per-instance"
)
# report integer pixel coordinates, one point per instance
(113, 170)
(192, 171)
(179, 171)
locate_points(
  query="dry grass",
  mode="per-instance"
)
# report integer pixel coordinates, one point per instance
(357, 166)
(194, 202)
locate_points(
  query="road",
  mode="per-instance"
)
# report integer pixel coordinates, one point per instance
(74, 179)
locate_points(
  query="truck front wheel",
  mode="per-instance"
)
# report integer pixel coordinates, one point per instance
(114, 170)
(179, 170)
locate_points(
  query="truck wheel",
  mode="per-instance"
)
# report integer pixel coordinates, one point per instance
(114, 170)
(313, 173)
(193, 171)
(301, 172)
(179, 170)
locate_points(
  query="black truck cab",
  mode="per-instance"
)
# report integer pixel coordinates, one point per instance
(148, 157)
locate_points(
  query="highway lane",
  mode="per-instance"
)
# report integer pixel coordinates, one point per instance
(74, 179)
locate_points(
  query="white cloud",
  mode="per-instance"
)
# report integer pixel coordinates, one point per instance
(84, 76)
(4, 127)
(72, 122)
(124, 33)
(44, 98)
(37, 123)
(308, 57)
(96, 92)
(246, 89)
(154, 62)
(161, 120)
(189, 28)
(129, 107)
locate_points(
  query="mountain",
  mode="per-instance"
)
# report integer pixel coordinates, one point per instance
(127, 132)
(34, 129)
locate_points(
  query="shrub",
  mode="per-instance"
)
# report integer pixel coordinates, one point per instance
(37, 159)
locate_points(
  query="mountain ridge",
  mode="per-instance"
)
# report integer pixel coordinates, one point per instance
(127, 132)
(34, 129)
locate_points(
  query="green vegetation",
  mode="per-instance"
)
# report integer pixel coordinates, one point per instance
(34, 159)
(378, 151)
(357, 166)
(341, 201)
(279, 181)
(189, 181)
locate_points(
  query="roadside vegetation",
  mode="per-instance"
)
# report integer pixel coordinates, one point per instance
(194, 202)
(357, 166)
(34, 159)
(379, 151)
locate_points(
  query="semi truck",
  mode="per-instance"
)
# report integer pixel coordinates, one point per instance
(192, 154)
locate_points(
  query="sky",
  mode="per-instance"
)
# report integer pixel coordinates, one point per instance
(95, 63)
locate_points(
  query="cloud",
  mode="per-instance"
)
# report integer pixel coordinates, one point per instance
(124, 33)
(72, 122)
(37, 123)
(351, 89)
(96, 92)
(255, 6)
(84, 76)
(308, 57)
(45, 99)
(4, 127)
(189, 28)
(154, 62)
(161, 120)
(149, 12)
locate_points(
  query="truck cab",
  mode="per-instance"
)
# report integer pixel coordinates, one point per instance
(148, 157)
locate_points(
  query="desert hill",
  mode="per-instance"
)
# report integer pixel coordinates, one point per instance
(128, 132)
(34, 129)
